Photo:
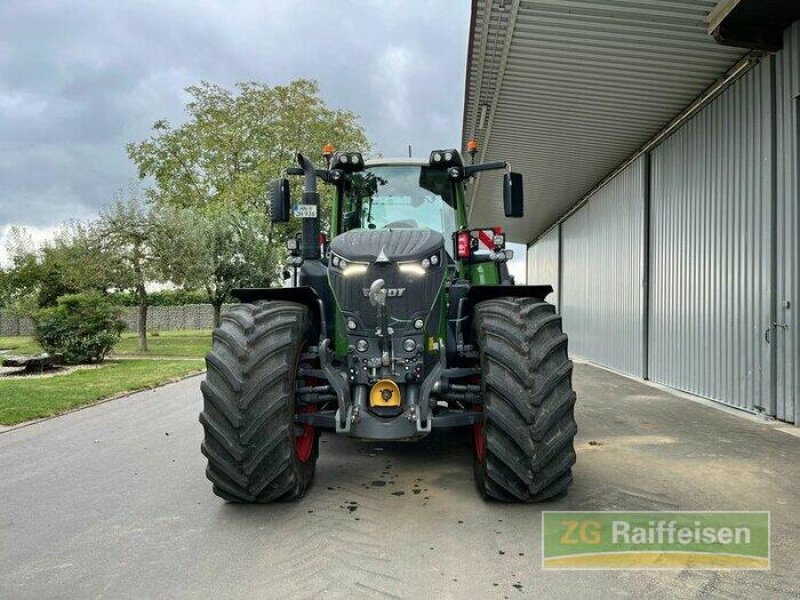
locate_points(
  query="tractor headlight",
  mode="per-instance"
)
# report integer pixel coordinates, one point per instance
(354, 269)
(349, 162)
(435, 260)
(426, 263)
(409, 345)
(351, 324)
(444, 159)
(419, 324)
(362, 345)
(411, 269)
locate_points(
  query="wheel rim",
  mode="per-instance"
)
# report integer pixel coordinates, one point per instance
(304, 443)
(479, 439)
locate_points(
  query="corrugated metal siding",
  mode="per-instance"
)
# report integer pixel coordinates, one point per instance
(788, 231)
(573, 87)
(601, 286)
(710, 249)
(543, 264)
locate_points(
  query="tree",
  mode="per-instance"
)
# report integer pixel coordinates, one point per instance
(128, 228)
(218, 250)
(235, 142)
(73, 261)
(20, 284)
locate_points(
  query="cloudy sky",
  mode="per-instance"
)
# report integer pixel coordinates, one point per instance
(81, 78)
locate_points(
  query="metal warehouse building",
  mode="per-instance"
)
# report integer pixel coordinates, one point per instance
(659, 143)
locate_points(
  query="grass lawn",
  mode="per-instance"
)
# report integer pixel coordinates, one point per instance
(26, 398)
(19, 344)
(191, 343)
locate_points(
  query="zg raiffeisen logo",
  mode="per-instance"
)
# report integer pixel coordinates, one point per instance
(655, 540)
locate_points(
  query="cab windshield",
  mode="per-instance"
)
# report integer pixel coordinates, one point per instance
(400, 197)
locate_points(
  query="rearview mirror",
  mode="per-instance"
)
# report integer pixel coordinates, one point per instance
(279, 198)
(512, 194)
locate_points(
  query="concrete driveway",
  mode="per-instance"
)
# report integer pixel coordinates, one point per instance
(112, 502)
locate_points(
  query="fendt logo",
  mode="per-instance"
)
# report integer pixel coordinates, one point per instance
(390, 292)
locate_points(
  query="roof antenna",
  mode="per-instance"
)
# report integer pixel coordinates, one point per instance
(409, 151)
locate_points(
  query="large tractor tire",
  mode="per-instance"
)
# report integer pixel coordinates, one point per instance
(524, 446)
(255, 451)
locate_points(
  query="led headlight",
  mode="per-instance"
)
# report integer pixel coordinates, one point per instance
(425, 263)
(362, 345)
(435, 259)
(351, 324)
(409, 345)
(418, 324)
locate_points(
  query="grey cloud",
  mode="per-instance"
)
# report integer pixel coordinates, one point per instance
(80, 79)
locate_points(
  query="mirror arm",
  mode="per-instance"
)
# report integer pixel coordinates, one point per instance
(323, 174)
(496, 165)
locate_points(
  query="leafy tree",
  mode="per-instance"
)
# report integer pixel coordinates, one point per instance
(20, 283)
(128, 229)
(73, 261)
(234, 142)
(217, 251)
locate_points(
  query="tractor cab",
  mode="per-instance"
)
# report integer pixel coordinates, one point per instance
(399, 194)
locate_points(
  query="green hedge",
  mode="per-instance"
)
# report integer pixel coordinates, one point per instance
(162, 298)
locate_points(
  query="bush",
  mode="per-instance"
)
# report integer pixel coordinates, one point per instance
(82, 327)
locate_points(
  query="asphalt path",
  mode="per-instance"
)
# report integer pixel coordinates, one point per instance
(112, 502)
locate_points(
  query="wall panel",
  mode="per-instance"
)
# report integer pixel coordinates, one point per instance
(601, 287)
(787, 340)
(710, 251)
(543, 263)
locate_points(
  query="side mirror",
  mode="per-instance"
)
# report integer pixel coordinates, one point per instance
(279, 198)
(512, 194)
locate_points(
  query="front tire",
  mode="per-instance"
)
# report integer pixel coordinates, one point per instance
(524, 446)
(255, 452)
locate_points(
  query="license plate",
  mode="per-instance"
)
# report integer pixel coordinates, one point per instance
(305, 211)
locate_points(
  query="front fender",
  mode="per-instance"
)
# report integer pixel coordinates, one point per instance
(304, 295)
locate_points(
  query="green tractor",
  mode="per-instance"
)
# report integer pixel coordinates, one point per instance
(406, 322)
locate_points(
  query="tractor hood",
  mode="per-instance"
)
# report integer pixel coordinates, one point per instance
(387, 245)
(411, 263)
